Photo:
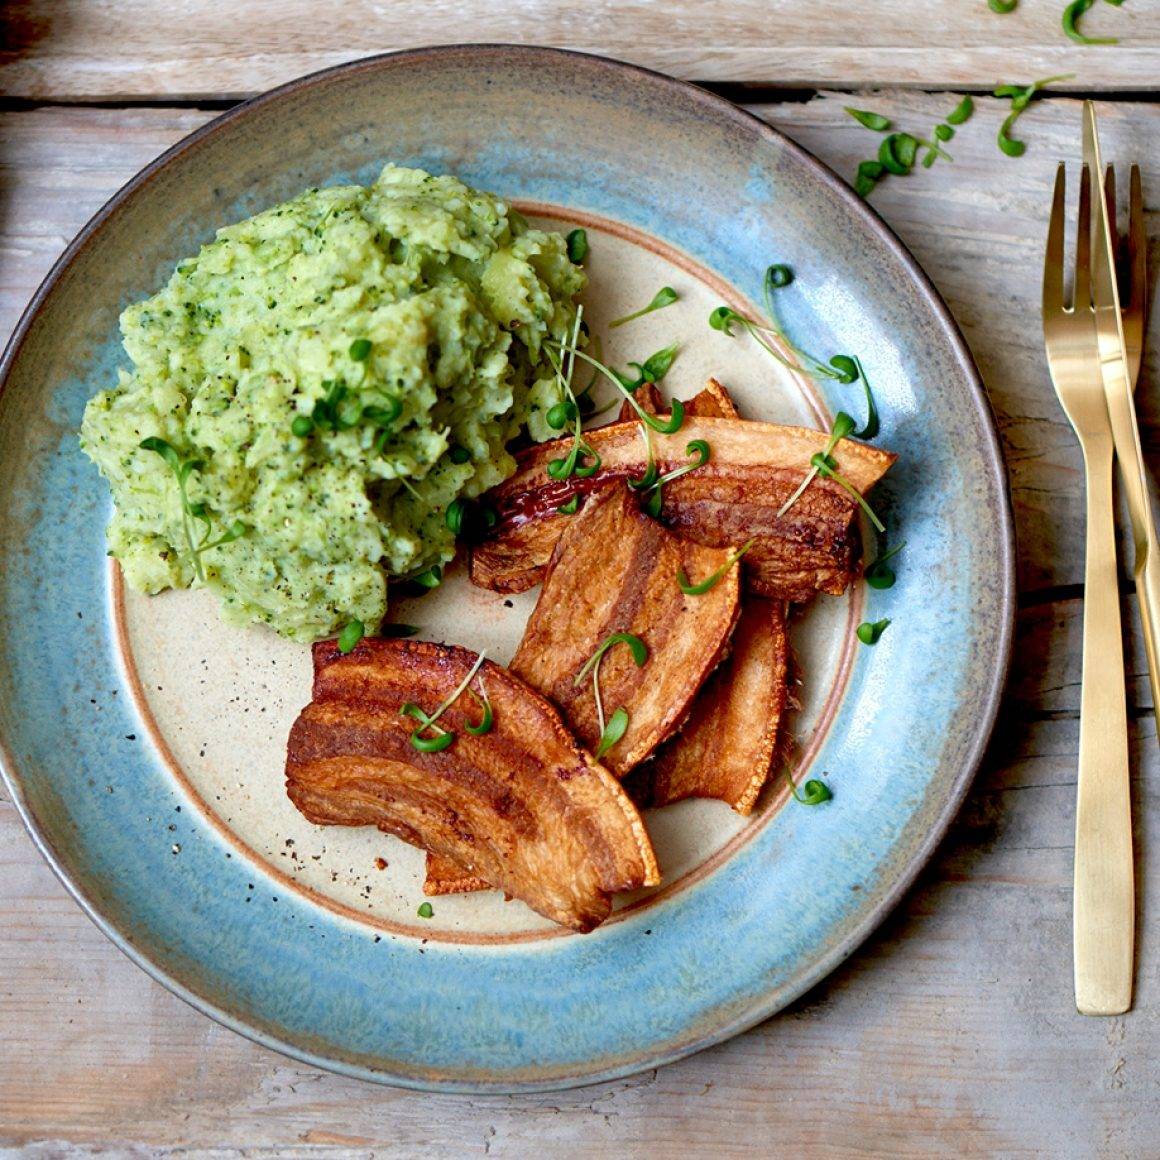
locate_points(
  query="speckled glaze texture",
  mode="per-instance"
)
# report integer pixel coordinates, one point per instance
(700, 965)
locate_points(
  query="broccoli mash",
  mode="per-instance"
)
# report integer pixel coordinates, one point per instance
(318, 385)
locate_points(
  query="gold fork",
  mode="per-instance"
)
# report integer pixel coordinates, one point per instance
(1104, 904)
(1135, 310)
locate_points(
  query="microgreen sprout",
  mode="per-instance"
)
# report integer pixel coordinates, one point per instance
(613, 730)
(827, 469)
(1020, 97)
(488, 718)
(354, 631)
(581, 460)
(571, 507)
(843, 426)
(469, 520)
(814, 792)
(1071, 15)
(665, 296)
(878, 574)
(899, 151)
(652, 506)
(962, 111)
(656, 422)
(874, 121)
(182, 469)
(869, 632)
(577, 243)
(360, 349)
(651, 471)
(714, 578)
(443, 737)
(1003, 7)
(426, 910)
(429, 578)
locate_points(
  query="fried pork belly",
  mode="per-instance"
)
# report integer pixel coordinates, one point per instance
(523, 807)
(648, 397)
(727, 747)
(754, 468)
(714, 402)
(447, 877)
(615, 570)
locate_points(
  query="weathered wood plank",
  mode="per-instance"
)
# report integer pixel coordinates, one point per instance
(103, 49)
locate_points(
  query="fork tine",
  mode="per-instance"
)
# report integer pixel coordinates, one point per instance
(1137, 295)
(1117, 244)
(1082, 295)
(1053, 256)
(1110, 197)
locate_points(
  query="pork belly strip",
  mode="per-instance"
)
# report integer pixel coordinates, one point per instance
(443, 876)
(754, 468)
(523, 807)
(713, 400)
(727, 746)
(615, 570)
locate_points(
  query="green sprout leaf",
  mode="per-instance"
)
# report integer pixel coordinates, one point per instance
(665, 296)
(870, 632)
(426, 910)
(1003, 7)
(354, 631)
(443, 737)
(878, 574)
(1020, 97)
(714, 578)
(577, 243)
(962, 111)
(1071, 15)
(875, 121)
(488, 718)
(613, 732)
(814, 792)
(571, 507)
(360, 349)
(430, 577)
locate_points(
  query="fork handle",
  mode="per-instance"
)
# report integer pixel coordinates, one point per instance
(1104, 900)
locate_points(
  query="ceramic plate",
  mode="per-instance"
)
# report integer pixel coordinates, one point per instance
(143, 741)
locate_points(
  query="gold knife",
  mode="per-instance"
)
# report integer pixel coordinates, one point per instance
(1104, 903)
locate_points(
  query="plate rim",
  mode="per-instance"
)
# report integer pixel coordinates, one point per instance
(992, 455)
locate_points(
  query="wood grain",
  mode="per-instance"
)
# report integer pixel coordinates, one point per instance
(111, 49)
(951, 1033)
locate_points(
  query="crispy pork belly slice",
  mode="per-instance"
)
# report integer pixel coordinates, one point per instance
(713, 402)
(727, 746)
(524, 806)
(615, 570)
(447, 877)
(650, 400)
(753, 470)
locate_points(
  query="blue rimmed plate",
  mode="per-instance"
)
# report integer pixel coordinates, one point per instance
(143, 741)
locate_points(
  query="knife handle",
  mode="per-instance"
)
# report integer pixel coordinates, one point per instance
(1104, 899)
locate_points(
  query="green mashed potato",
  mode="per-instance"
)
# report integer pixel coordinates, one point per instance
(402, 326)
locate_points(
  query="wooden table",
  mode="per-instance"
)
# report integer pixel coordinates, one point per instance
(953, 1029)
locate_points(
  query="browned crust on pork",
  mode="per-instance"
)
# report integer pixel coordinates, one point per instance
(524, 807)
(728, 745)
(754, 469)
(615, 570)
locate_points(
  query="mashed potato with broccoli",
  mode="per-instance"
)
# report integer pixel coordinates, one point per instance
(318, 385)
